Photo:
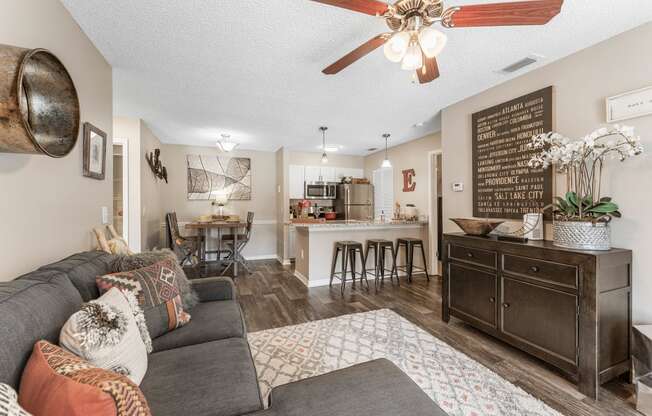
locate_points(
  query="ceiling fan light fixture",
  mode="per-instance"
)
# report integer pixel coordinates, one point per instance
(432, 41)
(413, 58)
(396, 47)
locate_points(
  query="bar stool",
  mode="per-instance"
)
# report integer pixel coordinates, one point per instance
(410, 244)
(349, 250)
(379, 246)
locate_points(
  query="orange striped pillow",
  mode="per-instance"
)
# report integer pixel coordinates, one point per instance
(58, 383)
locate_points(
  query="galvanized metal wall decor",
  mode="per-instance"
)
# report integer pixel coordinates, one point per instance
(94, 152)
(155, 164)
(39, 107)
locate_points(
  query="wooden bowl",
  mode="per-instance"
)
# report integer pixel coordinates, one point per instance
(477, 227)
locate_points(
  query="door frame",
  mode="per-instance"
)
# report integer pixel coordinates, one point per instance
(125, 185)
(433, 247)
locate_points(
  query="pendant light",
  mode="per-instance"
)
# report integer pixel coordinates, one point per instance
(386, 163)
(324, 156)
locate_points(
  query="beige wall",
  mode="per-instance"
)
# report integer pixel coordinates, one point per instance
(334, 159)
(410, 155)
(48, 207)
(263, 199)
(582, 82)
(151, 187)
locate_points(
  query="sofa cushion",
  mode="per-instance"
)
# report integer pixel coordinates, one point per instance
(32, 307)
(82, 269)
(211, 321)
(374, 388)
(214, 378)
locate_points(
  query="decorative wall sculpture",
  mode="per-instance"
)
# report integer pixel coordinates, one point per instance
(209, 176)
(504, 186)
(155, 164)
(41, 115)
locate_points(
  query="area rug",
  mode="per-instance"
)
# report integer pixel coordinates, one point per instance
(457, 383)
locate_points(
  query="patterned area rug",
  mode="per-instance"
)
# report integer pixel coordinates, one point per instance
(458, 384)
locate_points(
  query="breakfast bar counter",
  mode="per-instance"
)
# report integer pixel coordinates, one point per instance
(315, 241)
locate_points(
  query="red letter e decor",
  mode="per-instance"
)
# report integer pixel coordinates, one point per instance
(408, 184)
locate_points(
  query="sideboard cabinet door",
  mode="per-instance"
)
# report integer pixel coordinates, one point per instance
(473, 294)
(542, 318)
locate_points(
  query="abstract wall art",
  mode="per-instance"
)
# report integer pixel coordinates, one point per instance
(209, 176)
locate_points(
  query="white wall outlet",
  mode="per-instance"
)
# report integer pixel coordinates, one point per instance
(301, 254)
(105, 215)
(458, 187)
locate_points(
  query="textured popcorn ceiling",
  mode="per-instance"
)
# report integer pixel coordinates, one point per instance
(193, 69)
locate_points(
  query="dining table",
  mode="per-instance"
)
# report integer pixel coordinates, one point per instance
(203, 228)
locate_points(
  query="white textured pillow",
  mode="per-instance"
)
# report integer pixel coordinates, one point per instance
(106, 333)
(9, 402)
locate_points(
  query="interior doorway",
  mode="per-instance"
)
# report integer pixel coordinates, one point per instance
(121, 188)
(435, 210)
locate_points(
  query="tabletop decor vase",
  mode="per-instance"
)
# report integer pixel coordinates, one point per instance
(582, 217)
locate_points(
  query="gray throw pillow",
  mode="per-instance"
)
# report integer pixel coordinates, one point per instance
(127, 263)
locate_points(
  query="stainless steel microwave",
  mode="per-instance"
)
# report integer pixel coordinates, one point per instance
(320, 190)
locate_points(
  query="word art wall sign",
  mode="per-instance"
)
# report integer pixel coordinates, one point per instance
(504, 186)
(408, 180)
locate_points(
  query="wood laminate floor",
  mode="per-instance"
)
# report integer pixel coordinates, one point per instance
(272, 297)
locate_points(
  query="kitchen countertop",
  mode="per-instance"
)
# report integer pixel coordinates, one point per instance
(349, 225)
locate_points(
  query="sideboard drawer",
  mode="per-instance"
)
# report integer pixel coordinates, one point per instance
(562, 274)
(473, 255)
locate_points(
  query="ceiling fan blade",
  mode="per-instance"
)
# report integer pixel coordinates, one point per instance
(356, 54)
(429, 71)
(372, 7)
(533, 12)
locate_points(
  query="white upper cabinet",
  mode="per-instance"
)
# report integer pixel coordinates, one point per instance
(329, 174)
(295, 182)
(313, 174)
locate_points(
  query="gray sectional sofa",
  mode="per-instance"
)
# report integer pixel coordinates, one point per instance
(203, 368)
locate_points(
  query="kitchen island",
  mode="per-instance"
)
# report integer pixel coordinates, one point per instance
(315, 241)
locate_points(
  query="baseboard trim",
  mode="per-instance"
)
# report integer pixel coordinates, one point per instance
(284, 262)
(311, 283)
(303, 279)
(262, 257)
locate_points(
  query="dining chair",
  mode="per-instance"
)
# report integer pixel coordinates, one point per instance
(243, 240)
(188, 246)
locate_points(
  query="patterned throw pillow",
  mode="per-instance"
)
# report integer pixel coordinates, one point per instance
(157, 293)
(127, 263)
(9, 402)
(106, 333)
(58, 383)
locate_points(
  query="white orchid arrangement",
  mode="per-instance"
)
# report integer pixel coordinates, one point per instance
(582, 161)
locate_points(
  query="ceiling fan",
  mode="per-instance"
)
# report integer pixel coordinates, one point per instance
(415, 43)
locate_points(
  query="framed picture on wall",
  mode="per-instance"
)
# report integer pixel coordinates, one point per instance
(94, 152)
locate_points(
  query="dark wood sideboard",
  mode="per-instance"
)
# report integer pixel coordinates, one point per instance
(569, 308)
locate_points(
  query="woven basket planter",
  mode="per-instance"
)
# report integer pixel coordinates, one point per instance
(581, 235)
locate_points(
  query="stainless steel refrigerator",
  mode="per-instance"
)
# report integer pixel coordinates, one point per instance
(355, 202)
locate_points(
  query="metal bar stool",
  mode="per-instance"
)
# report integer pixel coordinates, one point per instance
(410, 244)
(349, 250)
(379, 246)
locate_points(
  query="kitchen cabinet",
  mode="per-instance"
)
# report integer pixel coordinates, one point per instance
(292, 241)
(313, 174)
(328, 174)
(569, 308)
(296, 181)
(320, 174)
